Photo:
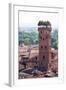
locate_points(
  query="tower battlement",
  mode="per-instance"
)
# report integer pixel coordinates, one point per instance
(44, 25)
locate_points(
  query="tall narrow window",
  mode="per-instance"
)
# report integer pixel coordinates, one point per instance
(40, 37)
(41, 46)
(43, 57)
(43, 38)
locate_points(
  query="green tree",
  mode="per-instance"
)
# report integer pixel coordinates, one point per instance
(27, 41)
(54, 40)
(28, 37)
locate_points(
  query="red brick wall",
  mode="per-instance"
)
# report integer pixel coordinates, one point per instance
(44, 46)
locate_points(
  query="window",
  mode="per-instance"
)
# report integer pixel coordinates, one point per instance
(41, 46)
(40, 37)
(36, 62)
(43, 57)
(36, 58)
(52, 55)
(45, 47)
(41, 31)
(43, 38)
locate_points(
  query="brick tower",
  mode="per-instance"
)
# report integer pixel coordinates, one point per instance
(44, 29)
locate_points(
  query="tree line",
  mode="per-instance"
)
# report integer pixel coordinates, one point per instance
(32, 38)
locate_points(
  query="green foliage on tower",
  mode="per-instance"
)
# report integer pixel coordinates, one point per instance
(46, 23)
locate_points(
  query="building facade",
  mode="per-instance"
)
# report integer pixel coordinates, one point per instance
(44, 29)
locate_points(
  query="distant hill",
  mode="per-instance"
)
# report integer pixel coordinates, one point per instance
(29, 29)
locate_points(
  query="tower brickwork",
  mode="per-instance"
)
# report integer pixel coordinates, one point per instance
(44, 29)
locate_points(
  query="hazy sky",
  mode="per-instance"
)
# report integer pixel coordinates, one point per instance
(31, 19)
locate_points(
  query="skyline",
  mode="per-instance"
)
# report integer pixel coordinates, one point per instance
(31, 19)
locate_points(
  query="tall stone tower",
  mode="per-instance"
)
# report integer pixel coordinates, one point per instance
(44, 29)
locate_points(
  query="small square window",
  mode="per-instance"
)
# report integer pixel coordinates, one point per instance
(36, 58)
(41, 31)
(45, 47)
